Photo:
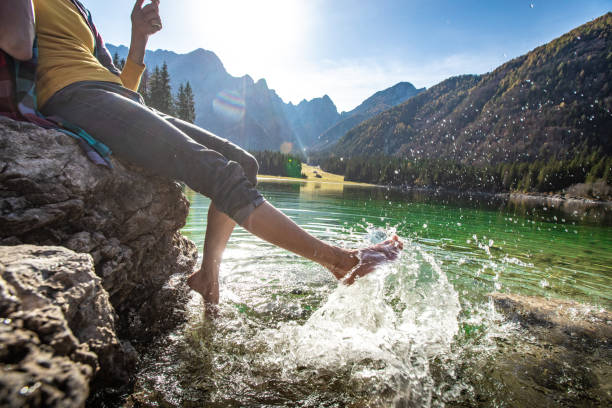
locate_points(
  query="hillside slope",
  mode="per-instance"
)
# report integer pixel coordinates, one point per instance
(550, 103)
(375, 104)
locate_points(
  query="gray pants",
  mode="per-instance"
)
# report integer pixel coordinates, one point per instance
(165, 145)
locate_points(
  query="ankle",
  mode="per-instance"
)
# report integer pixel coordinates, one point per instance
(342, 262)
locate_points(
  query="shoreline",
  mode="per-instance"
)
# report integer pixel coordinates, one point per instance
(599, 211)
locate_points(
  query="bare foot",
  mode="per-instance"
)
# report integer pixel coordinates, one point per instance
(208, 287)
(360, 262)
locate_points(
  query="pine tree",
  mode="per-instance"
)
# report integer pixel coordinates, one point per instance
(190, 102)
(119, 63)
(185, 105)
(179, 102)
(160, 91)
(154, 89)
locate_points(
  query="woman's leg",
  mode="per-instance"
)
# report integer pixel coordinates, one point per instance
(273, 226)
(142, 137)
(205, 281)
(218, 144)
(139, 135)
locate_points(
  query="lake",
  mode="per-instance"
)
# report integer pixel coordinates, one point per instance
(418, 332)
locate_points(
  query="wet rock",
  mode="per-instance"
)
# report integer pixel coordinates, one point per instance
(600, 211)
(54, 293)
(563, 322)
(86, 314)
(33, 375)
(125, 218)
(561, 356)
(56, 328)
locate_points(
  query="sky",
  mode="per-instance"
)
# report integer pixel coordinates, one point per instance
(350, 49)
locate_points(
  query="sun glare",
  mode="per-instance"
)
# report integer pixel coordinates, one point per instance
(250, 35)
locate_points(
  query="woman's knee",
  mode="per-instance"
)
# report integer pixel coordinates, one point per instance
(250, 167)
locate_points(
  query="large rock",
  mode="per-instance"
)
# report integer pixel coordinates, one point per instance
(564, 322)
(562, 357)
(61, 298)
(126, 219)
(57, 328)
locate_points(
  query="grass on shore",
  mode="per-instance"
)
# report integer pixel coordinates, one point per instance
(313, 174)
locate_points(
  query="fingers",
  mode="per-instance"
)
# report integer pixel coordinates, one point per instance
(146, 20)
(397, 242)
(150, 13)
(151, 6)
(138, 5)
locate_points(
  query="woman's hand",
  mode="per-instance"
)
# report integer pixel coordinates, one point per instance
(146, 20)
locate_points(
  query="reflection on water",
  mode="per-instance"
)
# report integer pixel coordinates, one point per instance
(418, 332)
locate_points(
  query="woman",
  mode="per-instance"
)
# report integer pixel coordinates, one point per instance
(75, 83)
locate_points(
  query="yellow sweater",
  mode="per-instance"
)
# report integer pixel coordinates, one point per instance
(66, 52)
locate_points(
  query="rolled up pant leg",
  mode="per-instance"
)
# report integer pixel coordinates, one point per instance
(135, 133)
(216, 143)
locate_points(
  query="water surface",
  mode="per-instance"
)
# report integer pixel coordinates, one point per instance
(418, 332)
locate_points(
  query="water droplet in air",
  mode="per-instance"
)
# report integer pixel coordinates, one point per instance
(531, 5)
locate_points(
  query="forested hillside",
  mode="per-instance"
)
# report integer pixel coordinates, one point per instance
(375, 104)
(550, 103)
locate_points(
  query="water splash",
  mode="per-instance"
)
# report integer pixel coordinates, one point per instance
(377, 335)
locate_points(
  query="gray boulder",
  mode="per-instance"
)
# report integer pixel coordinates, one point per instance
(88, 311)
(126, 219)
(57, 328)
(562, 355)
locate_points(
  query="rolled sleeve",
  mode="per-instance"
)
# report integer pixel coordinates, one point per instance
(131, 74)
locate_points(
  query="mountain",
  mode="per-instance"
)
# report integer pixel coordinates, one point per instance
(244, 111)
(375, 104)
(252, 115)
(553, 102)
(311, 118)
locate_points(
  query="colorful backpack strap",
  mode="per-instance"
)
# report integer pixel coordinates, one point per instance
(21, 100)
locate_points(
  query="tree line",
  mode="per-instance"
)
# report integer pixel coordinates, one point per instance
(542, 176)
(157, 93)
(278, 164)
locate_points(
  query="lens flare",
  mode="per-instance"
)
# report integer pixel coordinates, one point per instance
(286, 147)
(230, 105)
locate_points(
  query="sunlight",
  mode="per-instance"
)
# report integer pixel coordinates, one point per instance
(249, 36)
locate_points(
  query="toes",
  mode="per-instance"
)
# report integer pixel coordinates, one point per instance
(397, 243)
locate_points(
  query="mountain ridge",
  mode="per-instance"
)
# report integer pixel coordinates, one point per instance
(551, 102)
(247, 112)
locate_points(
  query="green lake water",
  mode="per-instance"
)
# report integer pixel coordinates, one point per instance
(417, 332)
